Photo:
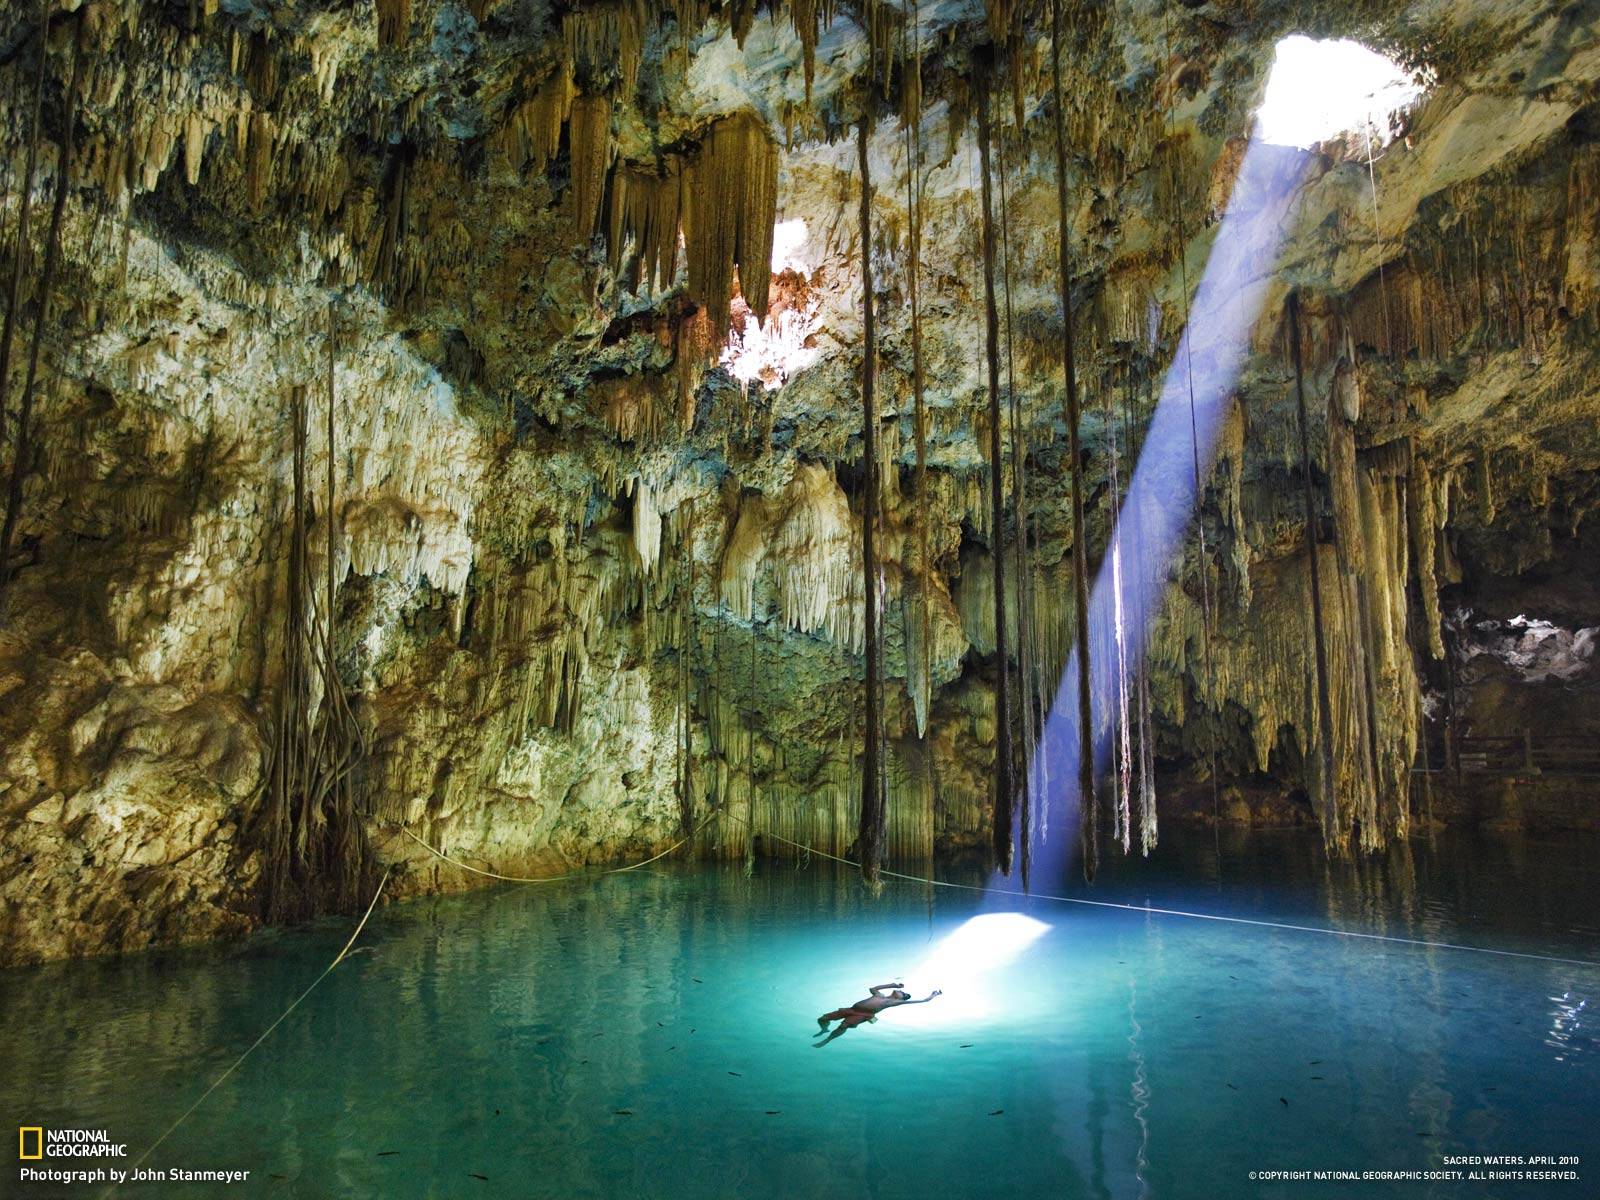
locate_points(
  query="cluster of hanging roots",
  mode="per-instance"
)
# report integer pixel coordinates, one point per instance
(314, 853)
(1021, 690)
(1022, 693)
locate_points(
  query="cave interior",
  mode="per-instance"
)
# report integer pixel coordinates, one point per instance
(643, 517)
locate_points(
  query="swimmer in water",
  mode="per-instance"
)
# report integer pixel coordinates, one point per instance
(885, 995)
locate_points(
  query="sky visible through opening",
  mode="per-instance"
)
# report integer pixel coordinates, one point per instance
(1320, 89)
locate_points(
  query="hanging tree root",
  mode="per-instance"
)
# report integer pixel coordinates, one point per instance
(315, 855)
(689, 636)
(1027, 663)
(919, 684)
(1206, 622)
(24, 210)
(1088, 813)
(22, 460)
(873, 822)
(1004, 799)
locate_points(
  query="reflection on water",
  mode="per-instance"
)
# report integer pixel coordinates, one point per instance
(649, 1034)
(1566, 1025)
(1139, 1089)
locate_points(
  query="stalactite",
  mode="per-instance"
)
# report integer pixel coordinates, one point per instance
(607, 37)
(589, 131)
(730, 198)
(741, 16)
(258, 159)
(1332, 832)
(394, 23)
(1123, 768)
(805, 538)
(884, 23)
(873, 816)
(547, 615)
(1423, 526)
(21, 461)
(998, 15)
(1004, 799)
(1087, 807)
(1147, 767)
(810, 17)
(20, 253)
(1485, 489)
(531, 133)
(1356, 789)
(646, 211)
(1384, 641)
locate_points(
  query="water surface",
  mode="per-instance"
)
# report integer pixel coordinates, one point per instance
(650, 1034)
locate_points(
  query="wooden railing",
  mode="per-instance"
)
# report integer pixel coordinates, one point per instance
(1527, 753)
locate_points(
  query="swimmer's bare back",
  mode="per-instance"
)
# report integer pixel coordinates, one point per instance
(867, 1009)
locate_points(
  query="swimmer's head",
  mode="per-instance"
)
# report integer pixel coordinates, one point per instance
(901, 995)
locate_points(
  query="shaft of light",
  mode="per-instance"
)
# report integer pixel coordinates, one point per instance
(1210, 355)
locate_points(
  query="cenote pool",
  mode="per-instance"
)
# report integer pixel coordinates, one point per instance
(651, 1034)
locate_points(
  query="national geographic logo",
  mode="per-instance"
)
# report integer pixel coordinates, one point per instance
(79, 1156)
(35, 1143)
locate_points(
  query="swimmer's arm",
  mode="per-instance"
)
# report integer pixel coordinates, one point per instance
(877, 989)
(925, 999)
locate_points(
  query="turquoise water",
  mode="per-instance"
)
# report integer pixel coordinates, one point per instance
(650, 1034)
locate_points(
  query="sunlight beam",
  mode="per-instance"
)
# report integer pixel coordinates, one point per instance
(1210, 355)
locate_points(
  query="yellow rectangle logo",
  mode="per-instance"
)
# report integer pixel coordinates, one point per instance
(38, 1141)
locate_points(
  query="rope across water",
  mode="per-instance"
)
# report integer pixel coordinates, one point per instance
(1196, 916)
(454, 862)
(265, 1033)
(1146, 909)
